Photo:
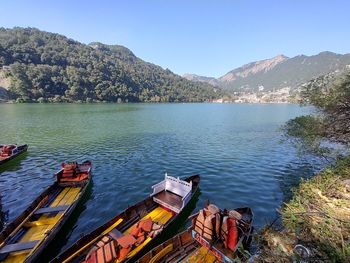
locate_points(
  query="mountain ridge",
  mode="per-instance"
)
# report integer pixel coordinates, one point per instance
(278, 72)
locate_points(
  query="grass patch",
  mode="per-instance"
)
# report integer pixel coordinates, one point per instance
(317, 216)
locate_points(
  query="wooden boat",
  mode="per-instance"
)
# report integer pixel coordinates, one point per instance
(190, 246)
(11, 151)
(137, 229)
(30, 233)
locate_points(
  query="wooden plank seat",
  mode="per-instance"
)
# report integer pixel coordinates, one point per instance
(18, 247)
(115, 234)
(54, 209)
(169, 198)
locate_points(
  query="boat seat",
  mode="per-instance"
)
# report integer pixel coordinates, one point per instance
(115, 234)
(18, 247)
(78, 178)
(47, 210)
(167, 198)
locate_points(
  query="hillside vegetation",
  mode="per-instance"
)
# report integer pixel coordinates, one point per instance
(50, 67)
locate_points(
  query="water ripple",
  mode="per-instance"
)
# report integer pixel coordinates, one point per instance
(235, 148)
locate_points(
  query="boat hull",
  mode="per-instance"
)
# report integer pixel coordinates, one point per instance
(186, 243)
(41, 221)
(78, 251)
(21, 149)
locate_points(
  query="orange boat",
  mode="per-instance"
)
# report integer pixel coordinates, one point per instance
(11, 151)
(30, 233)
(129, 235)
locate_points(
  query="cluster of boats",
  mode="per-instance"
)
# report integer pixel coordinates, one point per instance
(136, 234)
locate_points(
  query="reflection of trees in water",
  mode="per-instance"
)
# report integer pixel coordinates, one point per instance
(3, 216)
(296, 171)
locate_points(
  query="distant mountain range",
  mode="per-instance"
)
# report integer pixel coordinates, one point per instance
(42, 66)
(277, 73)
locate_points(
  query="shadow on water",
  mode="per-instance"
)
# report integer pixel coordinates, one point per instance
(14, 164)
(63, 235)
(296, 172)
(2, 216)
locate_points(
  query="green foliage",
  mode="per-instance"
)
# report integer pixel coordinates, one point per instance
(307, 133)
(319, 133)
(331, 95)
(55, 68)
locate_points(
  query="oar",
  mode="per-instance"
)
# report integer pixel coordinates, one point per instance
(94, 240)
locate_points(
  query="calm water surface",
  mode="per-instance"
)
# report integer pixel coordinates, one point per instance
(236, 148)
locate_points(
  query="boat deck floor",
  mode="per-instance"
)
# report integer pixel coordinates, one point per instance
(170, 198)
(202, 254)
(38, 226)
(158, 215)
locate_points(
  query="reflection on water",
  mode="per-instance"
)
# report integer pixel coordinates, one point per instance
(237, 150)
(2, 216)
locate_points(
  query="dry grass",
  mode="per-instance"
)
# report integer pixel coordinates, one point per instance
(318, 217)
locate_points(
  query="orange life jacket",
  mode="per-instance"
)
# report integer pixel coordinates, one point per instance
(69, 170)
(205, 224)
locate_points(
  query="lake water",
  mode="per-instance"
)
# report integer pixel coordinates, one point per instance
(236, 148)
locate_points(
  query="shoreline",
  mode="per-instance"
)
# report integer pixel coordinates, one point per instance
(143, 102)
(315, 222)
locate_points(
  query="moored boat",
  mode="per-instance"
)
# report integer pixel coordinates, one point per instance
(24, 239)
(11, 151)
(214, 237)
(137, 229)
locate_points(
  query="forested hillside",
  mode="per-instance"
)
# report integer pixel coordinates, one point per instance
(44, 66)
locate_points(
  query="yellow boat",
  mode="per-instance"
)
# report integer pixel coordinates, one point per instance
(129, 235)
(30, 233)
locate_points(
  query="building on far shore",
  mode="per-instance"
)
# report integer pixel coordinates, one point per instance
(218, 101)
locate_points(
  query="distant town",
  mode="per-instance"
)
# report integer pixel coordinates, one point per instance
(280, 96)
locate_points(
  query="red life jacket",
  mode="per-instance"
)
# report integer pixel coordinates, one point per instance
(232, 234)
(6, 150)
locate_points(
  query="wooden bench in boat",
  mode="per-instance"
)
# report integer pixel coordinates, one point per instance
(169, 198)
(172, 193)
(54, 209)
(18, 247)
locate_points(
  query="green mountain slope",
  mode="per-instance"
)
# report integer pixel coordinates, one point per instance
(47, 66)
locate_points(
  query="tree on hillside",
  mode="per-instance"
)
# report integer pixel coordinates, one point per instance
(330, 95)
(51, 67)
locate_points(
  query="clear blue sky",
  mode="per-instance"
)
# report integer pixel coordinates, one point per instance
(203, 37)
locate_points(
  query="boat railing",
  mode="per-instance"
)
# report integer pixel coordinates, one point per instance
(174, 185)
(186, 199)
(157, 188)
